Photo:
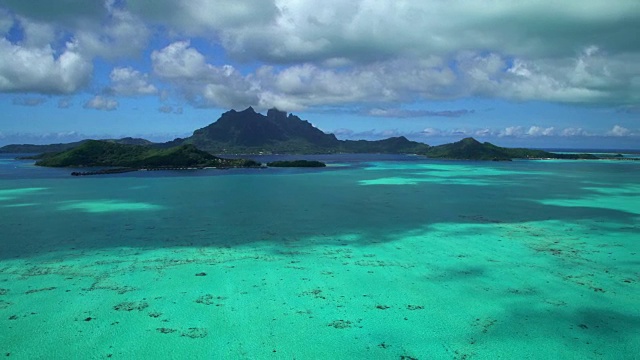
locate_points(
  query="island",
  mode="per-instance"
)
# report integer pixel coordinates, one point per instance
(95, 153)
(249, 132)
(471, 149)
(297, 163)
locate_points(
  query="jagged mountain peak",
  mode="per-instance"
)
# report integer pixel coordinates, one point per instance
(276, 114)
(249, 110)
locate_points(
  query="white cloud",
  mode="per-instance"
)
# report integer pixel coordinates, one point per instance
(300, 86)
(127, 81)
(574, 132)
(431, 132)
(38, 69)
(199, 82)
(618, 130)
(37, 34)
(116, 34)
(305, 85)
(540, 131)
(339, 53)
(101, 103)
(407, 113)
(179, 61)
(296, 30)
(512, 131)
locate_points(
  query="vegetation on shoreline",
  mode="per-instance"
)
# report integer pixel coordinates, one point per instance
(95, 153)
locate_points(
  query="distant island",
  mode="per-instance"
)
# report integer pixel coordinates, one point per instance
(297, 163)
(248, 132)
(471, 149)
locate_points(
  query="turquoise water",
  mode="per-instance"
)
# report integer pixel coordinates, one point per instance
(370, 258)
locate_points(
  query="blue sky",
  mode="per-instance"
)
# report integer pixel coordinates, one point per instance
(528, 73)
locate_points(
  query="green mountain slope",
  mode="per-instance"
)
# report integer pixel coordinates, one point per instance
(101, 153)
(471, 149)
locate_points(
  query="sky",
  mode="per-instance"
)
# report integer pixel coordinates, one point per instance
(537, 73)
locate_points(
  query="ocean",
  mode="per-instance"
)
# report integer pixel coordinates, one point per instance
(373, 257)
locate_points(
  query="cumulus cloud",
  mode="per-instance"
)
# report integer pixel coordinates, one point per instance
(36, 34)
(101, 103)
(618, 130)
(404, 113)
(199, 82)
(127, 81)
(399, 80)
(532, 131)
(117, 34)
(540, 131)
(512, 134)
(29, 101)
(512, 131)
(574, 132)
(340, 53)
(293, 30)
(38, 69)
(35, 60)
(337, 54)
(431, 132)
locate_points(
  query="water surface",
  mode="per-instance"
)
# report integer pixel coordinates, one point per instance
(372, 257)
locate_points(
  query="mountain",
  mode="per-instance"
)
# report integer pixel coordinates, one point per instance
(248, 132)
(471, 149)
(52, 148)
(93, 153)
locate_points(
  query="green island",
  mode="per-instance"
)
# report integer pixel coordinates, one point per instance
(95, 153)
(471, 149)
(249, 132)
(297, 163)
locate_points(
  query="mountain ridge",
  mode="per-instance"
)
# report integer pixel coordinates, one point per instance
(277, 132)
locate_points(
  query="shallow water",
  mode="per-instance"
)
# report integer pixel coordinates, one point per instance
(372, 257)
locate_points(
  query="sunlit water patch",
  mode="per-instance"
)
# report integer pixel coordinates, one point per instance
(102, 206)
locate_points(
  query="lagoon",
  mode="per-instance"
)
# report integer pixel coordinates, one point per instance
(385, 257)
